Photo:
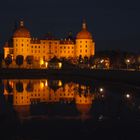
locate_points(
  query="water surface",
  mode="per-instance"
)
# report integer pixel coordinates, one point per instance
(37, 109)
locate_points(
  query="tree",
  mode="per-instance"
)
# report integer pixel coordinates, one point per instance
(91, 60)
(19, 60)
(8, 87)
(30, 87)
(80, 60)
(8, 60)
(29, 59)
(19, 86)
(86, 60)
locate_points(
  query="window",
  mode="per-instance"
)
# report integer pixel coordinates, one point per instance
(85, 50)
(80, 46)
(21, 44)
(32, 46)
(38, 46)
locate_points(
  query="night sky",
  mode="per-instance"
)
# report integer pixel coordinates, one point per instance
(114, 24)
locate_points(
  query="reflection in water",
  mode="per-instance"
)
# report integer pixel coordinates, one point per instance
(26, 93)
(55, 106)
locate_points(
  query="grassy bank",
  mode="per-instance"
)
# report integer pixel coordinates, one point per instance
(129, 77)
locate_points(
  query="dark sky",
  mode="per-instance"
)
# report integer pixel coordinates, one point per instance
(115, 24)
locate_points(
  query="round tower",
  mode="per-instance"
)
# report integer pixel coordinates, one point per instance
(21, 41)
(85, 45)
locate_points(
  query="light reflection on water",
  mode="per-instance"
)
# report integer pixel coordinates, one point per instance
(47, 100)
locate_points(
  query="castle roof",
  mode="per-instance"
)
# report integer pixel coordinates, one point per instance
(84, 34)
(22, 31)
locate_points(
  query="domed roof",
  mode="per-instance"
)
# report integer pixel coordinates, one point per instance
(21, 31)
(84, 34)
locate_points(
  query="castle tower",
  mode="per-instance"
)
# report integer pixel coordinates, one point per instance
(21, 41)
(85, 45)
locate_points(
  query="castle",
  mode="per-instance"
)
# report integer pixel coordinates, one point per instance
(42, 50)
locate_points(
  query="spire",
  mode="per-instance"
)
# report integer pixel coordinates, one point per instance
(21, 23)
(84, 26)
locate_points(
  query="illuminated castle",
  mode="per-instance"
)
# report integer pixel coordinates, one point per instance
(42, 50)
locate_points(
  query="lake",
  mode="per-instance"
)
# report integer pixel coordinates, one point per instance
(38, 109)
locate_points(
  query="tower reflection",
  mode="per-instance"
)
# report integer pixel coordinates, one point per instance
(27, 93)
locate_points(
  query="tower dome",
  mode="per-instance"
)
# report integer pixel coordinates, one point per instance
(21, 31)
(84, 34)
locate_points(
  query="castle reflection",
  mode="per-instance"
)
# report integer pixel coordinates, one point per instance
(28, 93)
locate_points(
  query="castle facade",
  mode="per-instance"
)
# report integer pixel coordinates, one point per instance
(42, 50)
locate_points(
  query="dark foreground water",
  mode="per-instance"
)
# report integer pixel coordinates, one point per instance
(41, 109)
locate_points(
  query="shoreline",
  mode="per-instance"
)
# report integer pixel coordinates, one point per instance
(118, 76)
